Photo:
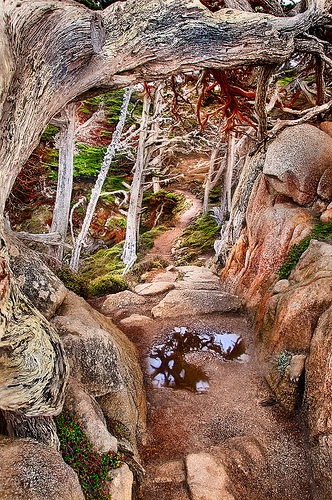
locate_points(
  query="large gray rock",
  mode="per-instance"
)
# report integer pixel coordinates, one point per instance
(195, 302)
(207, 477)
(78, 402)
(120, 379)
(32, 471)
(34, 278)
(150, 289)
(120, 488)
(296, 160)
(93, 356)
(121, 302)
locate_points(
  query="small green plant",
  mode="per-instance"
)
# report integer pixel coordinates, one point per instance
(107, 284)
(73, 281)
(292, 258)
(91, 467)
(118, 429)
(283, 360)
(321, 231)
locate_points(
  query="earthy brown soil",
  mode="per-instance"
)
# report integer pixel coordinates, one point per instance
(166, 241)
(233, 408)
(262, 447)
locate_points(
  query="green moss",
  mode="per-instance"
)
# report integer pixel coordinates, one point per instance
(146, 240)
(73, 281)
(321, 231)
(200, 233)
(91, 467)
(107, 284)
(103, 262)
(147, 265)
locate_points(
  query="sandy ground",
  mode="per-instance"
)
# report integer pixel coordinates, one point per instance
(236, 418)
(230, 417)
(166, 241)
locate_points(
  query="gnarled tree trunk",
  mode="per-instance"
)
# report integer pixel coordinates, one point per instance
(51, 52)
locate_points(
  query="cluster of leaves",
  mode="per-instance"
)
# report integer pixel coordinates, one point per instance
(91, 467)
(87, 161)
(321, 231)
(283, 360)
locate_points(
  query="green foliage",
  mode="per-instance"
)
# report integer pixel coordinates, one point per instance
(103, 262)
(49, 133)
(96, 4)
(292, 258)
(91, 467)
(114, 184)
(107, 284)
(73, 281)
(88, 161)
(118, 429)
(283, 360)
(321, 231)
(200, 233)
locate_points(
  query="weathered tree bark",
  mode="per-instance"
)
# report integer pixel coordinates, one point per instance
(34, 371)
(233, 227)
(226, 195)
(51, 52)
(129, 254)
(109, 156)
(212, 176)
(41, 429)
(265, 74)
(65, 179)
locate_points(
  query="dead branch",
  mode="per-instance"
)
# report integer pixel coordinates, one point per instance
(307, 116)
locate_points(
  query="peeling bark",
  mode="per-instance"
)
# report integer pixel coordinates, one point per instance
(65, 179)
(129, 254)
(53, 51)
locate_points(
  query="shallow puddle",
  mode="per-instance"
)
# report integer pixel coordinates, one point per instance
(167, 365)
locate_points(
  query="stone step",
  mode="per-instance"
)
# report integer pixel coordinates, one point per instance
(194, 303)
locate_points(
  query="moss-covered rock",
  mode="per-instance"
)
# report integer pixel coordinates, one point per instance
(107, 284)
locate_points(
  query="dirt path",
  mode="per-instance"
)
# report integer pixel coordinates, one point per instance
(165, 242)
(256, 449)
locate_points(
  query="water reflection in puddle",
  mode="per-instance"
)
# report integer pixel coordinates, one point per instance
(168, 367)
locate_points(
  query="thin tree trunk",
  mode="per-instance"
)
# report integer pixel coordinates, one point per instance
(226, 196)
(232, 229)
(129, 254)
(65, 179)
(210, 182)
(110, 153)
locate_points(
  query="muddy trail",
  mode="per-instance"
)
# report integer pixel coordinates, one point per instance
(214, 430)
